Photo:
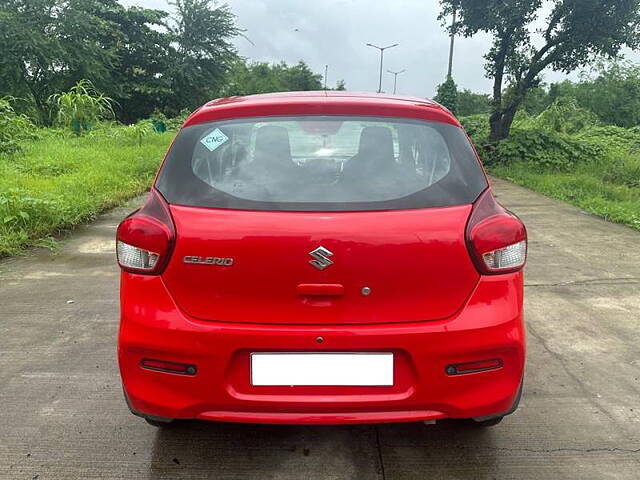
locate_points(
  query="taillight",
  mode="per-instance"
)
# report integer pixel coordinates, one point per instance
(145, 239)
(496, 238)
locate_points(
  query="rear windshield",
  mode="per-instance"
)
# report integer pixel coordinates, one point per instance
(321, 163)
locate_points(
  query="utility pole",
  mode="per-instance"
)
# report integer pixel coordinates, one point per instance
(395, 78)
(453, 37)
(326, 71)
(382, 49)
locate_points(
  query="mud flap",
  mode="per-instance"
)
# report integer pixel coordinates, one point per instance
(513, 408)
(142, 415)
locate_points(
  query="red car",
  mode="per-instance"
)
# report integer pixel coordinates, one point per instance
(321, 258)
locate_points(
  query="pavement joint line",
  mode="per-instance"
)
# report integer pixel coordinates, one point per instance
(379, 447)
(593, 281)
(555, 450)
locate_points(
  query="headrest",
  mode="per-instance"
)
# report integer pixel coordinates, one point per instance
(376, 146)
(272, 146)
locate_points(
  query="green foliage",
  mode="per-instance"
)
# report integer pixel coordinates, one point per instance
(18, 208)
(60, 181)
(81, 106)
(596, 167)
(176, 122)
(536, 100)
(260, 77)
(13, 127)
(623, 170)
(138, 131)
(142, 58)
(48, 45)
(570, 39)
(470, 103)
(477, 126)
(139, 81)
(613, 94)
(546, 148)
(203, 53)
(447, 95)
(563, 116)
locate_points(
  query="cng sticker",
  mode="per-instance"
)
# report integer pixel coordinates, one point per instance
(214, 139)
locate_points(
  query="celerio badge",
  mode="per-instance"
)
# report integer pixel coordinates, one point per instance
(221, 261)
(321, 258)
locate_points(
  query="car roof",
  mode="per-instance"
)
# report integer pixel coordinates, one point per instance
(321, 102)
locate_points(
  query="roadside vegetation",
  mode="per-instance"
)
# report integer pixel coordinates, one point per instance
(59, 180)
(564, 145)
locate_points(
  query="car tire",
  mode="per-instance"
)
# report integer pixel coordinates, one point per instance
(158, 423)
(490, 422)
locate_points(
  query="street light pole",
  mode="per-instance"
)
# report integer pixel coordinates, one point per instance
(395, 78)
(382, 49)
(453, 39)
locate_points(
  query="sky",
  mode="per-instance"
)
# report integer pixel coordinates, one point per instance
(335, 33)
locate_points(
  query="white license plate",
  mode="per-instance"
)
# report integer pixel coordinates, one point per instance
(322, 369)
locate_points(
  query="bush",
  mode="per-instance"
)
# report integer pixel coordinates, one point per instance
(138, 131)
(563, 116)
(176, 122)
(81, 107)
(477, 126)
(547, 149)
(13, 127)
(623, 171)
(615, 140)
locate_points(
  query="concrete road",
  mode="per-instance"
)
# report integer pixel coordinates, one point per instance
(62, 415)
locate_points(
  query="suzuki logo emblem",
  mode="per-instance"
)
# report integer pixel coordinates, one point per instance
(321, 258)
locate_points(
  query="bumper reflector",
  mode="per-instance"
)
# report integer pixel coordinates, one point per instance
(473, 367)
(168, 367)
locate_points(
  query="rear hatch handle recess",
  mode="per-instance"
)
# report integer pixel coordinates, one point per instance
(321, 289)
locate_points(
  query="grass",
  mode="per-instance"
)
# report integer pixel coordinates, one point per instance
(59, 181)
(603, 187)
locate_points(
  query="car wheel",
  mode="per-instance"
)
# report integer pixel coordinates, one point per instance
(490, 422)
(158, 423)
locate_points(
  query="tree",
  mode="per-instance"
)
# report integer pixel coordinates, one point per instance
(447, 95)
(299, 77)
(259, 77)
(575, 32)
(613, 94)
(470, 103)
(48, 45)
(203, 54)
(139, 82)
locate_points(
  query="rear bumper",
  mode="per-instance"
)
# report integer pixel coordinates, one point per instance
(489, 326)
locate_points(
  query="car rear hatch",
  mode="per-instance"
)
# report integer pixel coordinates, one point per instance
(414, 264)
